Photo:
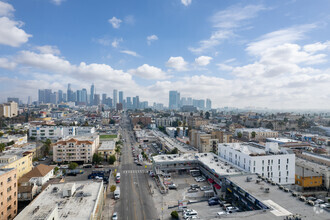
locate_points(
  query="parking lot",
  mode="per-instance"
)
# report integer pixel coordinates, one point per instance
(197, 200)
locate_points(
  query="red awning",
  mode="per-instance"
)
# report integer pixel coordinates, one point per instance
(210, 180)
(217, 186)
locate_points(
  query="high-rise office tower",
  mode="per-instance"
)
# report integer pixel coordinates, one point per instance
(53, 98)
(69, 94)
(114, 98)
(208, 104)
(174, 100)
(104, 98)
(128, 102)
(60, 96)
(65, 97)
(41, 96)
(96, 99)
(29, 102)
(11, 99)
(91, 100)
(189, 101)
(134, 103)
(84, 96)
(79, 96)
(121, 96)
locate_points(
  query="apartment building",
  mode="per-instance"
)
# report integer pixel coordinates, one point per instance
(208, 142)
(76, 149)
(8, 193)
(269, 161)
(57, 132)
(17, 158)
(256, 133)
(9, 110)
(196, 122)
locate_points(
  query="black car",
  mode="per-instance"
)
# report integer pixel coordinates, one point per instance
(213, 202)
(71, 174)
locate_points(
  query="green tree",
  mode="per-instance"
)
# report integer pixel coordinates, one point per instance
(56, 170)
(113, 188)
(175, 214)
(97, 158)
(112, 122)
(112, 159)
(270, 125)
(174, 151)
(253, 134)
(239, 135)
(207, 115)
(73, 165)
(2, 147)
(46, 146)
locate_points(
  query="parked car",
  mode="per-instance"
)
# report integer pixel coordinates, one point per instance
(192, 214)
(221, 213)
(325, 205)
(213, 202)
(206, 188)
(114, 216)
(232, 209)
(214, 198)
(192, 190)
(194, 186)
(71, 174)
(172, 186)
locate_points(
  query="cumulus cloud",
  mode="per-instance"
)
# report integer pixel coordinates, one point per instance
(186, 2)
(115, 22)
(6, 64)
(129, 52)
(149, 72)
(6, 9)
(203, 60)
(177, 63)
(48, 49)
(57, 2)
(11, 33)
(151, 38)
(225, 23)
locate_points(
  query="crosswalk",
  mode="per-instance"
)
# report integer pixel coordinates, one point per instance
(135, 171)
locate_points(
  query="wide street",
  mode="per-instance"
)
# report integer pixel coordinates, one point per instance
(135, 200)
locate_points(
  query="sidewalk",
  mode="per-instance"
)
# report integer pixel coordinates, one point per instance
(109, 202)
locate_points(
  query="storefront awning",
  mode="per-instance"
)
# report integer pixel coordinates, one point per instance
(210, 180)
(217, 186)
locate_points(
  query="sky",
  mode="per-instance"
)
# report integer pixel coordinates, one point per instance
(272, 54)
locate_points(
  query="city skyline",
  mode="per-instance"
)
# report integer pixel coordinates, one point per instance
(225, 51)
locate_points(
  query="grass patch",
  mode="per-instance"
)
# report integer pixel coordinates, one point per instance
(108, 136)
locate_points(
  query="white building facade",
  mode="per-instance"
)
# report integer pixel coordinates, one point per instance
(269, 161)
(76, 149)
(58, 132)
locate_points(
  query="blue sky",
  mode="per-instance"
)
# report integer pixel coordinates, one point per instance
(238, 53)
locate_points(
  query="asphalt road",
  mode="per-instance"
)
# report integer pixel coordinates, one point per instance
(135, 200)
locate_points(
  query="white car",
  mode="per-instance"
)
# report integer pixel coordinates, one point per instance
(114, 216)
(192, 214)
(221, 213)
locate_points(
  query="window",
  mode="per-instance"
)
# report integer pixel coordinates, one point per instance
(263, 162)
(279, 173)
(279, 161)
(279, 180)
(287, 173)
(287, 167)
(9, 179)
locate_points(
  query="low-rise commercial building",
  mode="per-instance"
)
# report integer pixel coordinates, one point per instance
(256, 133)
(8, 191)
(76, 149)
(79, 200)
(58, 132)
(269, 161)
(107, 149)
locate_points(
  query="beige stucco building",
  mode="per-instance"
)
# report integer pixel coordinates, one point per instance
(8, 193)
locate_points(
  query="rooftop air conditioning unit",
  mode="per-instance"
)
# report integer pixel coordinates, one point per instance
(266, 190)
(248, 179)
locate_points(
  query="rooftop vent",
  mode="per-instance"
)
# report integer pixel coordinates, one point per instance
(248, 179)
(266, 190)
(257, 181)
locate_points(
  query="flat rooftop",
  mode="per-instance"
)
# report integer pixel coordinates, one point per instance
(3, 171)
(79, 206)
(281, 203)
(214, 162)
(281, 140)
(107, 145)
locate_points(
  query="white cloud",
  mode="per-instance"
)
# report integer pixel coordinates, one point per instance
(151, 38)
(115, 22)
(225, 67)
(177, 63)
(129, 52)
(11, 34)
(225, 24)
(115, 42)
(57, 2)
(6, 9)
(186, 2)
(6, 64)
(279, 37)
(149, 72)
(203, 60)
(312, 48)
(48, 49)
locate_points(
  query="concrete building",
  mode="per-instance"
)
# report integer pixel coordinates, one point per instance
(9, 110)
(17, 158)
(39, 175)
(80, 200)
(176, 132)
(58, 132)
(256, 133)
(115, 98)
(76, 149)
(163, 122)
(174, 100)
(8, 191)
(268, 161)
(107, 148)
(208, 142)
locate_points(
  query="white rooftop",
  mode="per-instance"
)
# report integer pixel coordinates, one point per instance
(79, 206)
(107, 145)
